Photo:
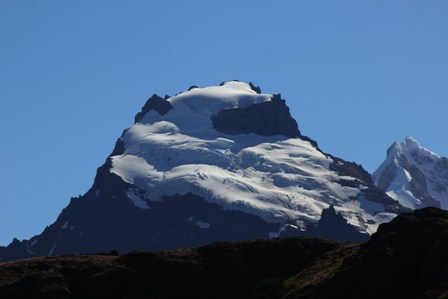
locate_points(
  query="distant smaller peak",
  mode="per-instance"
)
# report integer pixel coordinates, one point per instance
(410, 146)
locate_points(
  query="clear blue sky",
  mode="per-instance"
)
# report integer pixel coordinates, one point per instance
(357, 75)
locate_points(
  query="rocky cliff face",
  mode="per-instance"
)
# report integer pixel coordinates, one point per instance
(414, 176)
(217, 163)
(156, 103)
(265, 119)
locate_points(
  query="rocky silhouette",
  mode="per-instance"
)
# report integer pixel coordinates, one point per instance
(406, 258)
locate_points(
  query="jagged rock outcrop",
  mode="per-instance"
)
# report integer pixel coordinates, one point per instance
(156, 103)
(266, 119)
(333, 226)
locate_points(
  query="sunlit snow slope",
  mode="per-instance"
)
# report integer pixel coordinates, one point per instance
(277, 178)
(414, 176)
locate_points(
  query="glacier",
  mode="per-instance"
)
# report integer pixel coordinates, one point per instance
(277, 178)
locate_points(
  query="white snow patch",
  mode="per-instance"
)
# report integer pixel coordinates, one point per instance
(201, 224)
(273, 235)
(65, 225)
(138, 202)
(364, 214)
(29, 246)
(282, 229)
(369, 206)
(128, 167)
(399, 189)
(405, 198)
(50, 252)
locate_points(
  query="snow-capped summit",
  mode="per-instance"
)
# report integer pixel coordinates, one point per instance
(412, 147)
(271, 175)
(217, 163)
(413, 175)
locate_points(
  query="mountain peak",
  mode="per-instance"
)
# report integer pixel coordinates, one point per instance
(410, 142)
(411, 148)
(407, 145)
(413, 175)
(223, 162)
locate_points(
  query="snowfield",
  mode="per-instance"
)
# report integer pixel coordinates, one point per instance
(277, 178)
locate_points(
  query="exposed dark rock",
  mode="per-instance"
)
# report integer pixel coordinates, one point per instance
(332, 225)
(441, 166)
(119, 146)
(346, 168)
(386, 177)
(275, 115)
(373, 193)
(257, 89)
(14, 251)
(376, 195)
(161, 105)
(419, 187)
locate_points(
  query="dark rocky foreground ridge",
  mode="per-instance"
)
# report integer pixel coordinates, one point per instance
(406, 258)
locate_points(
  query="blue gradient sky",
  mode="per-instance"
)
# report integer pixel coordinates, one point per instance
(357, 75)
